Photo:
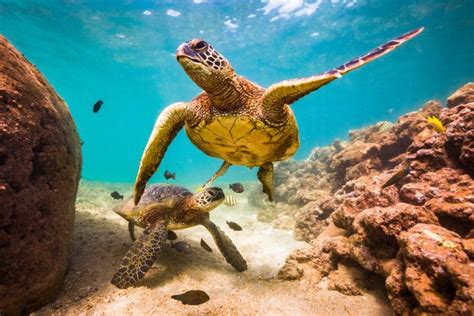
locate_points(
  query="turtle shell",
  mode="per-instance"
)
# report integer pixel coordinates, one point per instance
(245, 140)
(157, 193)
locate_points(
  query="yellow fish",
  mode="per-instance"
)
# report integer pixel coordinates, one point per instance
(438, 126)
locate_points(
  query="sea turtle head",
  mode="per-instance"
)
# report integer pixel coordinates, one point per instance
(208, 199)
(203, 64)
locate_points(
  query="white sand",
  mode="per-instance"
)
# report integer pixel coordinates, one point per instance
(101, 239)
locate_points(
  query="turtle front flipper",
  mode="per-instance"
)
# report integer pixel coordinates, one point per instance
(265, 176)
(286, 92)
(141, 256)
(168, 124)
(222, 169)
(226, 246)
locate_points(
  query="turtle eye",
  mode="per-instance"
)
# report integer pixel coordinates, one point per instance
(200, 45)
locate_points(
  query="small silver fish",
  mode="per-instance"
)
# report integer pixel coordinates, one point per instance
(398, 176)
(234, 226)
(193, 297)
(205, 246)
(168, 175)
(172, 235)
(182, 246)
(97, 106)
(237, 187)
(230, 200)
(116, 195)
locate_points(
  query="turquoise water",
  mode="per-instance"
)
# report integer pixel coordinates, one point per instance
(122, 52)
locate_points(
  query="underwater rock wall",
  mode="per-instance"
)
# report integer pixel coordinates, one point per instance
(40, 166)
(417, 234)
(300, 189)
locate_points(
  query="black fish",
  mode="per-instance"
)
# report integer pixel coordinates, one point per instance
(116, 195)
(169, 175)
(398, 176)
(182, 247)
(234, 226)
(97, 106)
(193, 297)
(82, 142)
(172, 235)
(205, 246)
(237, 187)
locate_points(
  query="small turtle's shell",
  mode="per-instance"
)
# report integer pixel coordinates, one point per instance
(162, 194)
(158, 193)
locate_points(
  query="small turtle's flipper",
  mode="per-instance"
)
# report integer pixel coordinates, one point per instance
(168, 124)
(131, 230)
(226, 246)
(141, 256)
(223, 168)
(288, 91)
(265, 176)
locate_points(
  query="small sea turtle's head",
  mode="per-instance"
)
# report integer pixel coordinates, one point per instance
(203, 64)
(208, 199)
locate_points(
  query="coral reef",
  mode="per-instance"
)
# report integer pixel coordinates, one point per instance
(417, 233)
(40, 165)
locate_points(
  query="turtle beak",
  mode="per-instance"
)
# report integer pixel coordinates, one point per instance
(184, 51)
(217, 194)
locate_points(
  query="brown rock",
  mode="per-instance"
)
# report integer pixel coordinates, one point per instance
(435, 270)
(463, 95)
(350, 280)
(409, 232)
(313, 262)
(350, 156)
(402, 300)
(310, 221)
(468, 247)
(359, 195)
(381, 226)
(40, 164)
(460, 134)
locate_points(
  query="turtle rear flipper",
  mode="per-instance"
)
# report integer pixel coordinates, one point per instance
(141, 256)
(265, 176)
(226, 246)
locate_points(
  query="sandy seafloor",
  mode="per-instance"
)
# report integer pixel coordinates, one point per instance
(101, 239)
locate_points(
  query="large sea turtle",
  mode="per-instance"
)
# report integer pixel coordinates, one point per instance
(163, 208)
(235, 119)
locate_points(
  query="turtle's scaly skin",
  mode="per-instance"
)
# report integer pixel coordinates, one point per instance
(236, 120)
(141, 256)
(163, 208)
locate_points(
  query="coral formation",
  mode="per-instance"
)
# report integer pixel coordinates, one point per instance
(416, 233)
(40, 165)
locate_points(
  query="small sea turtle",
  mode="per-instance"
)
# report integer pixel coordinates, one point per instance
(235, 119)
(163, 208)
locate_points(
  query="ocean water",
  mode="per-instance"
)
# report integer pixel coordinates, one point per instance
(122, 52)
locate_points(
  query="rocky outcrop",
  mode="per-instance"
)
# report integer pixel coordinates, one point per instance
(300, 188)
(417, 233)
(40, 164)
(464, 95)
